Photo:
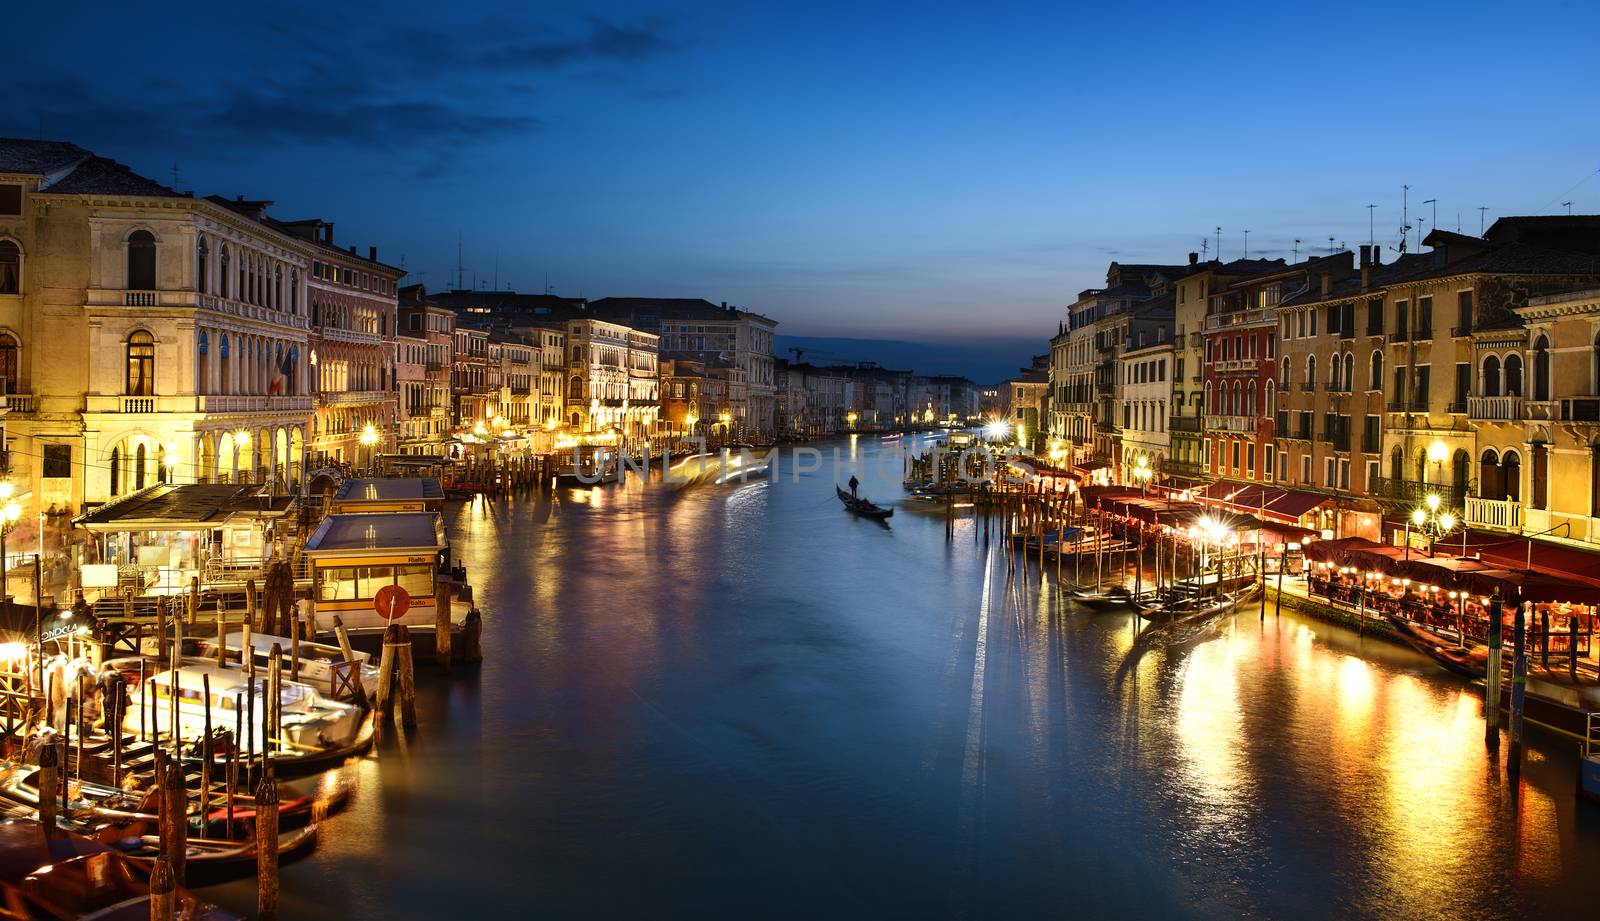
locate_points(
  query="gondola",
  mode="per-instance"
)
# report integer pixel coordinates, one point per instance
(1468, 663)
(1112, 599)
(1192, 609)
(861, 506)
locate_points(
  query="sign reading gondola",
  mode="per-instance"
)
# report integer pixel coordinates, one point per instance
(391, 602)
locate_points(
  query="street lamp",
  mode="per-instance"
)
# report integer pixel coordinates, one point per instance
(1430, 521)
(170, 461)
(369, 439)
(10, 511)
(1142, 474)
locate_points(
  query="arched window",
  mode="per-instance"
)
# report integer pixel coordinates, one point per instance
(1283, 373)
(202, 348)
(1511, 473)
(1375, 379)
(10, 268)
(1272, 400)
(1311, 371)
(141, 365)
(277, 288)
(294, 293)
(1460, 469)
(142, 261)
(1237, 407)
(1250, 399)
(222, 271)
(116, 472)
(1541, 376)
(1539, 476)
(1513, 386)
(200, 262)
(1397, 464)
(1349, 371)
(1489, 384)
(1491, 482)
(10, 363)
(138, 468)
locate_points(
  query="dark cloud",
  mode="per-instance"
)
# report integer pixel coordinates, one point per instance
(302, 83)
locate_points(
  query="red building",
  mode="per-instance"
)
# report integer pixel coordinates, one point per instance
(1240, 351)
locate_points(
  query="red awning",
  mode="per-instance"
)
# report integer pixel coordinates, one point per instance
(1514, 552)
(1286, 505)
(1090, 466)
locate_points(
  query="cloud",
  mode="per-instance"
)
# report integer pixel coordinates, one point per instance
(421, 97)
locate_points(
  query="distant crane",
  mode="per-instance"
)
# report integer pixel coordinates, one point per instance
(800, 353)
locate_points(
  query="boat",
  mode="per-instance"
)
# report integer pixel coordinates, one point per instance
(315, 730)
(1187, 609)
(353, 556)
(1471, 662)
(105, 886)
(583, 466)
(321, 664)
(862, 507)
(1111, 599)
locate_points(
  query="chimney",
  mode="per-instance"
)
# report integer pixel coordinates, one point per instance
(372, 254)
(1366, 275)
(1327, 284)
(1366, 254)
(1377, 256)
(327, 231)
(1194, 258)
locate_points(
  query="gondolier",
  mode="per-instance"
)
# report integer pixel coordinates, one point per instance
(854, 484)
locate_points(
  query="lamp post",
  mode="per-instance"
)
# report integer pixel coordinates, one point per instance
(10, 511)
(369, 440)
(1142, 474)
(1430, 520)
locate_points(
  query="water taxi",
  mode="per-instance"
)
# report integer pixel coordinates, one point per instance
(352, 556)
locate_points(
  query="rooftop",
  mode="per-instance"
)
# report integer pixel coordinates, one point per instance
(389, 489)
(167, 507)
(389, 531)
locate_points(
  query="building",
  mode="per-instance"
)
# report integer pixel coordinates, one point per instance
(145, 335)
(474, 379)
(1028, 399)
(1185, 464)
(700, 330)
(613, 382)
(1147, 394)
(426, 409)
(353, 303)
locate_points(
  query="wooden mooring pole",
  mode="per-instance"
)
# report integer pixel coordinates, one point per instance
(267, 849)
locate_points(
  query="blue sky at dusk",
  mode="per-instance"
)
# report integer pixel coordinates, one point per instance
(947, 173)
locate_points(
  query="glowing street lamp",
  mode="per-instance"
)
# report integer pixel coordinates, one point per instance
(998, 429)
(369, 439)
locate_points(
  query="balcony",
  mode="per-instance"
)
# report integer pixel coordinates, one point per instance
(1190, 469)
(358, 337)
(18, 402)
(1340, 441)
(1239, 318)
(353, 397)
(234, 403)
(1495, 409)
(1503, 514)
(1236, 364)
(1231, 423)
(1457, 408)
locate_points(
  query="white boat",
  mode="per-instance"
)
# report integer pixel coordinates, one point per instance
(312, 724)
(319, 662)
(719, 468)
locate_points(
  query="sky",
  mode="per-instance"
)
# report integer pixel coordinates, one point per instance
(942, 173)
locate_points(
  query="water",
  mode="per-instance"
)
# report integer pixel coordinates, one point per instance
(742, 702)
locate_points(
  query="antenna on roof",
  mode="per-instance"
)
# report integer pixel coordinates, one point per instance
(1481, 210)
(1296, 250)
(1219, 242)
(1247, 244)
(1405, 216)
(458, 260)
(1205, 247)
(1435, 219)
(1331, 250)
(176, 179)
(1372, 237)
(1569, 207)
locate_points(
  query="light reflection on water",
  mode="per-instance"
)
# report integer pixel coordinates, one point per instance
(742, 702)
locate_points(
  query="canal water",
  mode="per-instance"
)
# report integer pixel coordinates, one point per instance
(741, 702)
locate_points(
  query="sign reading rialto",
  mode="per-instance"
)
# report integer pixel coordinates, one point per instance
(391, 602)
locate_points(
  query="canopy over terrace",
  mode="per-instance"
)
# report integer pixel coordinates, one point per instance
(1182, 514)
(159, 538)
(1268, 502)
(1471, 573)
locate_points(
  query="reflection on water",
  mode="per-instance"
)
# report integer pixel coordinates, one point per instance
(743, 702)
